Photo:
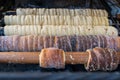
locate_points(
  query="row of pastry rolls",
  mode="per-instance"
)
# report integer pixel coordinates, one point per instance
(67, 43)
(60, 30)
(55, 20)
(61, 11)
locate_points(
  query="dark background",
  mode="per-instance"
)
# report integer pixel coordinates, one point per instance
(11, 5)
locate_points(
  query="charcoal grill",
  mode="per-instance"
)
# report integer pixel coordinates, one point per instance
(30, 71)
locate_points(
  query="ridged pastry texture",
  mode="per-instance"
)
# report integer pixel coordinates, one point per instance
(49, 30)
(55, 20)
(102, 59)
(98, 59)
(67, 43)
(61, 11)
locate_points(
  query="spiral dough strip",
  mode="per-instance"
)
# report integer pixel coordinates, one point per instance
(49, 30)
(62, 12)
(55, 20)
(67, 43)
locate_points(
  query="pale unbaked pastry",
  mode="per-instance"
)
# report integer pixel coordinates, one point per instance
(61, 11)
(55, 20)
(50, 30)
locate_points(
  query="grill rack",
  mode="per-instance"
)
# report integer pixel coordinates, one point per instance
(114, 22)
(30, 71)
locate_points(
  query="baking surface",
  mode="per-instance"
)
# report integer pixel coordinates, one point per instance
(59, 76)
(30, 71)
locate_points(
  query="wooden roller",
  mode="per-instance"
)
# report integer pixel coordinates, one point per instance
(33, 57)
(57, 58)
